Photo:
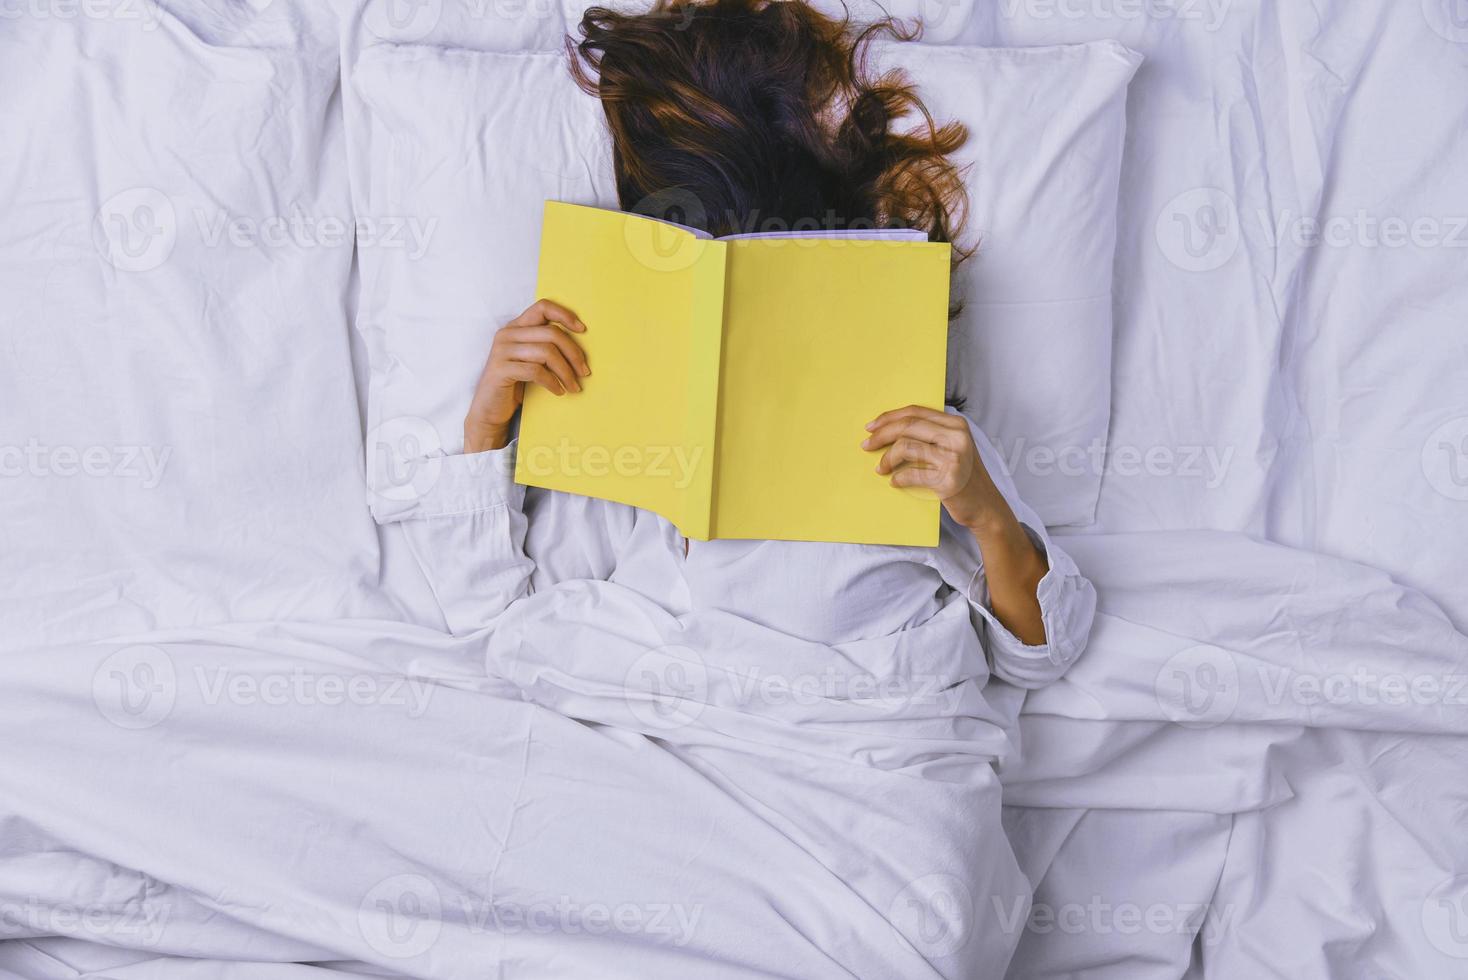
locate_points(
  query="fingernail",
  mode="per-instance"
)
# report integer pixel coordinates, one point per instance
(871, 425)
(865, 443)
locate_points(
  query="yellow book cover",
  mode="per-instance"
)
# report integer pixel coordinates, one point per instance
(732, 378)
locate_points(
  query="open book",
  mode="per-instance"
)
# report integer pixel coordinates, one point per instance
(732, 379)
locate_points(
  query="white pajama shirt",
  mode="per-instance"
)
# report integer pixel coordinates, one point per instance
(484, 541)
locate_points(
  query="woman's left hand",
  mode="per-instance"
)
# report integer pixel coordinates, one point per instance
(935, 451)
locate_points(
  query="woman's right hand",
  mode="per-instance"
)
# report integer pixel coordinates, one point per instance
(534, 348)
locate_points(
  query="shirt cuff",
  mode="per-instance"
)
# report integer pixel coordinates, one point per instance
(1067, 607)
(447, 486)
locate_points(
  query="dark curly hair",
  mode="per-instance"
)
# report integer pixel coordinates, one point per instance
(760, 115)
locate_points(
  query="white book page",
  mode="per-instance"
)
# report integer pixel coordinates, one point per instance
(695, 232)
(849, 234)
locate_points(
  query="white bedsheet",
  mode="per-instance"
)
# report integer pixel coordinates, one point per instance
(1219, 743)
(1290, 288)
(1290, 352)
(1278, 731)
(178, 433)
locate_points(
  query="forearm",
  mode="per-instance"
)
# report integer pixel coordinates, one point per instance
(1013, 568)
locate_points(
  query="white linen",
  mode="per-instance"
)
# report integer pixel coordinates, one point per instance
(1288, 368)
(1352, 876)
(1295, 393)
(1201, 394)
(491, 25)
(118, 805)
(179, 438)
(383, 801)
(1316, 700)
(1376, 466)
(514, 25)
(1289, 285)
(1119, 895)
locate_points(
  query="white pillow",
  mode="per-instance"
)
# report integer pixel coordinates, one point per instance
(486, 25)
(516, 25)
(943, 20)
(470, 144)
(179, 434)
(1032, 350)
(464, 148)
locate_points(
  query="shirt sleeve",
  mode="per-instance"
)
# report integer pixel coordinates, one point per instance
(470, 533)
(1067, 598)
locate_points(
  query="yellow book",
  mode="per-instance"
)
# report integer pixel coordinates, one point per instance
(732, 378)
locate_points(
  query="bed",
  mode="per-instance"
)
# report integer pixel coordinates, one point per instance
(1253, 772)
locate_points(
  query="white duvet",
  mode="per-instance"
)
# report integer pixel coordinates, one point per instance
(361, 791)
(572, 824)
(1251, 773)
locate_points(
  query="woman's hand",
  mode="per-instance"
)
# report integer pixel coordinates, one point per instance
(534, 348)
(935, 451)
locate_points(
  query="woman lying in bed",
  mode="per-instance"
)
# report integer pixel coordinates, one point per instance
(762, 112)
